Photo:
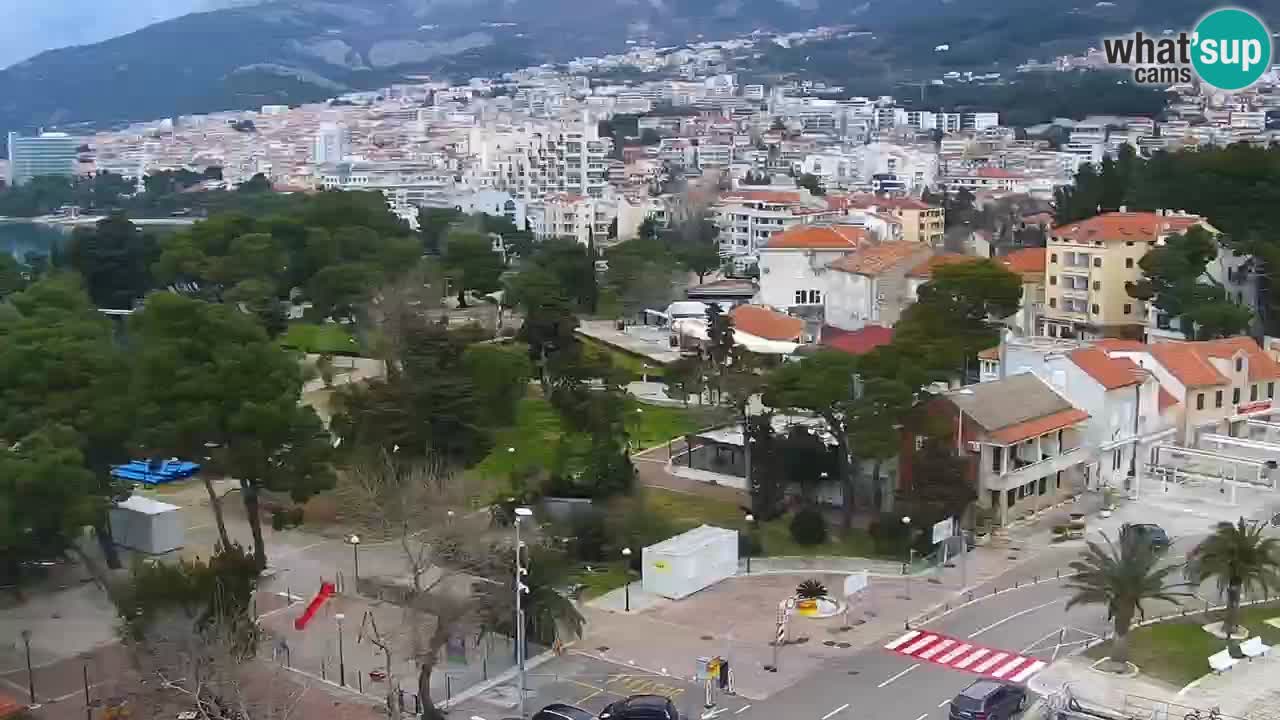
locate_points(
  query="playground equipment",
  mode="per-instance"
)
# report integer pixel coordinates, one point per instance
(327, 591)
(155, 472)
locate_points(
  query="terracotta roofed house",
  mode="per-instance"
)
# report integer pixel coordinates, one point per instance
(1028, 263)
(870, 286)
(794, 263)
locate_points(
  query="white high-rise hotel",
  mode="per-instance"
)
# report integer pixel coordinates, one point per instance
(332, 143)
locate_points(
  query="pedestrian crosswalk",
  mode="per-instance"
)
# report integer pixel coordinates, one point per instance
(961, 655)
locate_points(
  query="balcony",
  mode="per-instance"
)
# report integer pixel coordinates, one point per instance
(1025, 472)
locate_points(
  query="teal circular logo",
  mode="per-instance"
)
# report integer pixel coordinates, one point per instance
(1231, 48)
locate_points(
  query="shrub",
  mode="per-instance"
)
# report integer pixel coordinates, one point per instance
(590, 537)
(811, 590)
(809, 527)
(889, 535)
(277, 519)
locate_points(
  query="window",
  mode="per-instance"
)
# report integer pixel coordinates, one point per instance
(800, 295)
(1053, 302)
(1044, 483)
(1129, 243)
(996, 454)
(1053, 257)
(1095, 310)
(1053, 279)
(1235, 396)
(1097, 285)
(1271, 390)
(1253, 393)
(1097, 262)
(1217, 399)
(1200, 401)
(815, 297)
(1012, 495)
(1239, 364)
(1128, 309)
(1128, 262)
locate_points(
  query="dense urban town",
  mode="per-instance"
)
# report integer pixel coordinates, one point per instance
(570, 395)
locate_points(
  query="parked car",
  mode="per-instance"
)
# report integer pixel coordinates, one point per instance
(1150, 533)
(641, 707)
(988, 700)
(560, 711)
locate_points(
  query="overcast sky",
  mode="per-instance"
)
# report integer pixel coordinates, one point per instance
(28, 27)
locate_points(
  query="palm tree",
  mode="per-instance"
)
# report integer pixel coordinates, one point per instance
(1121, 577)
(1239, 558)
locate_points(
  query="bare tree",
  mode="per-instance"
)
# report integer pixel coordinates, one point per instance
(395, 308)
(417, 504)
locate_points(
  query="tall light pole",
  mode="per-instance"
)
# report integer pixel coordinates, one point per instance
(906, 521)
(751, 525)
(354, 540)
(342, 661)
(31, 682)
(521, 589)
(626, 569)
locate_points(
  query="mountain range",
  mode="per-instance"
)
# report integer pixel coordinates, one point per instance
(293, 51)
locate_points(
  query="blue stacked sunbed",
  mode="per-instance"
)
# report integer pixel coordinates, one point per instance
(155, 472)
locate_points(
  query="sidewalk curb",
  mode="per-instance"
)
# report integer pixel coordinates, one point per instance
(501, 678)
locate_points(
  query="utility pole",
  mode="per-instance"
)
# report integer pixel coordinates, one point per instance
(521, 589)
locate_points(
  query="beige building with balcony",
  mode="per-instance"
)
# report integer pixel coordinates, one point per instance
(1089, 265)
(920, 221)
(1021, 455)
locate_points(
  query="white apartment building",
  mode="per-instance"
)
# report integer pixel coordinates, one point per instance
(795, 264)
(562, 215)
(404, 184)
(332, 144)
(749, 218)
(536, 160)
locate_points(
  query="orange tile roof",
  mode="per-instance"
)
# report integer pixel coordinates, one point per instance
(1118, 226)
(1110, 372)
(1188, 366)
(926, 268)
(768, 324)
(1028, 261)
(875, 259)
(1039, 426)
(858, 342)
(991, 353)
(1261, 365)
(820, 237)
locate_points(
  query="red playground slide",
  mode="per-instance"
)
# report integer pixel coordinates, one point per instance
(326, 591)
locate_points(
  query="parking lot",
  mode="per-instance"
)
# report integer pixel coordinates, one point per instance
(591, 682)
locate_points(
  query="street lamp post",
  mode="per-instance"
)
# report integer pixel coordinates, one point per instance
(626, 587)
(751, 520)
(521, 589)
(906, 521)
(31, 682)
(342, 661)
(355, 557)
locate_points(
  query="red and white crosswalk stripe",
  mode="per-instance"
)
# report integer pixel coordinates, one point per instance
(960, 655)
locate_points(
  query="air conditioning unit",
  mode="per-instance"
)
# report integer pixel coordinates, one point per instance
(974, 447)
(879, 297)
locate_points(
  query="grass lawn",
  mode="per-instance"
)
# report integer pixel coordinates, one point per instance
(319, 338)
(538, 428)
(1177, 651)
(605, 578)
(686, 512)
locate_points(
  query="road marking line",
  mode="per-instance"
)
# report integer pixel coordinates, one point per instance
(1018, 614)
(742, 709)
(936, 649)
(968, 660)
(902, 640)
(944, 703)
(918, 645)
(922, 717)
(895, 677)
(712, 713)
(1008, 667)
(583, 700)
(953, 654)
(833, 712)
(476, 717)
(986, 665)
(1028, 671)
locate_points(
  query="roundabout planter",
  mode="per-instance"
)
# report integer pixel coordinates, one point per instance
(818, 608)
